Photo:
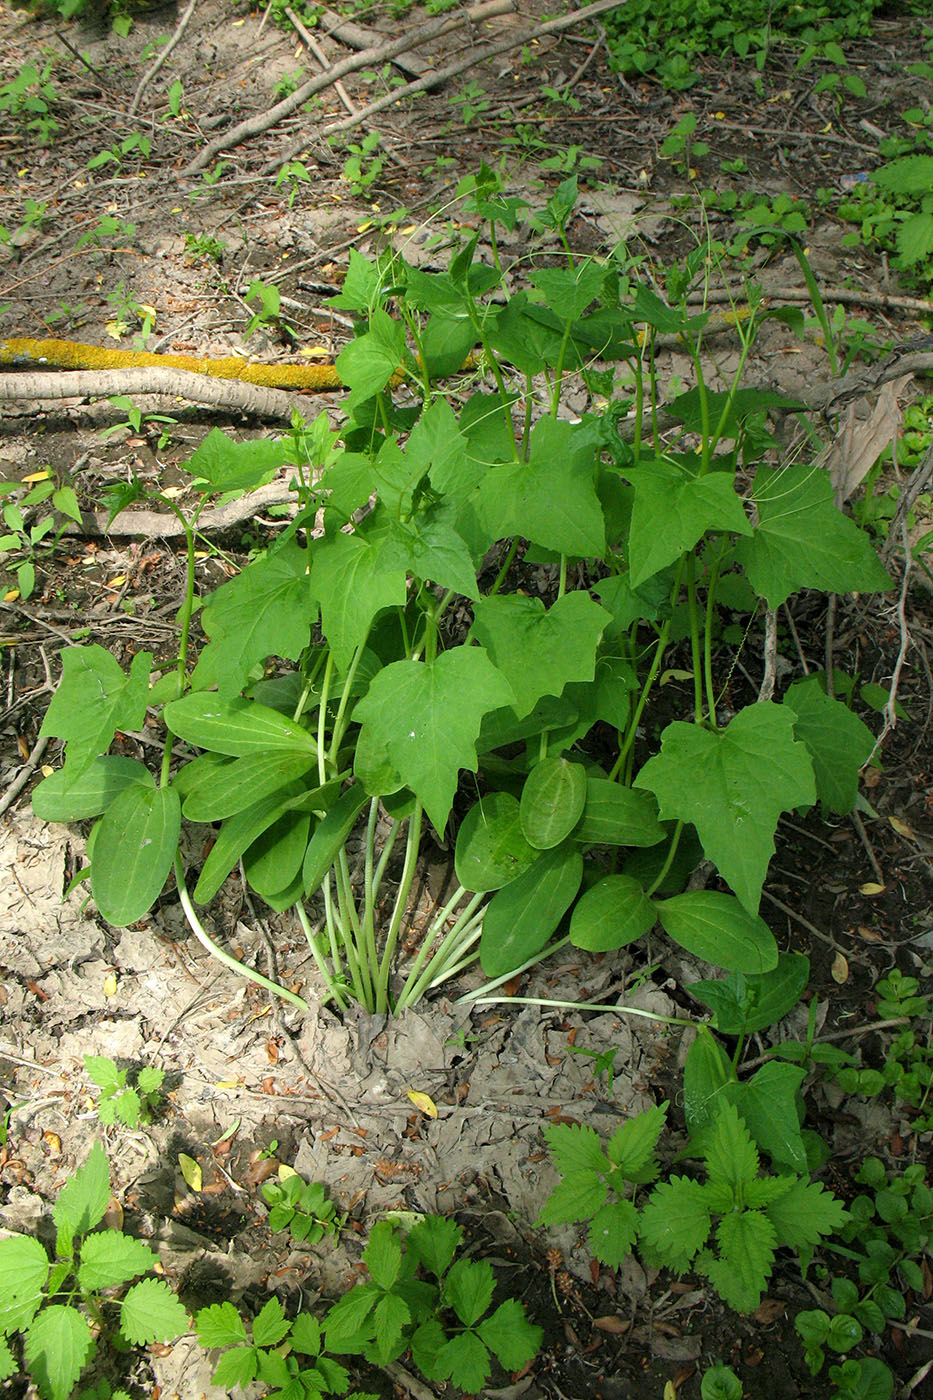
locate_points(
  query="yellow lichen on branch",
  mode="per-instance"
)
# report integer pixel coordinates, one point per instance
(26, 353)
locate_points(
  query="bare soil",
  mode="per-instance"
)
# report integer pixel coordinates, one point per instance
(251, 1086)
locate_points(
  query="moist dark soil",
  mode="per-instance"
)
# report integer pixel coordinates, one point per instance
(250, 1087)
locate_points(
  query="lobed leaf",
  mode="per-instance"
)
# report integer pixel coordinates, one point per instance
(96, 697)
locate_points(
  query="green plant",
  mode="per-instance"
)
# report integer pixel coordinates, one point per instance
(301, 1207)
(603, 1062)
(289, 84)
(419, 1296)
(571, 158)
(118, 152)
(679, 146)
(31, 95)
(472, 102)
(205, 245)
(406, 660)
(268, 312)
(768, 220)
(33, 217)
(361, 168)
(20, 547)
(292, 174)
(108, 227)
(748, 1215)
(68, 1308)
(281, 1353)
(138, 422)
(720, 1383)
(132, 1105)
(127, 311)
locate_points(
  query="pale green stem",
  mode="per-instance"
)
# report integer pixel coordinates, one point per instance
(352, 930)
(412, 844)
(339, 723)
(322, 719)
(217, 952)
(448, 947)
(311, 936)
(580, 1006)
(513, 972)
(384, 859)
(369, 892)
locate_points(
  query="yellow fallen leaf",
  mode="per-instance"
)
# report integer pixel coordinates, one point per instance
(902, 828)
(46, 770)
(226, 1084)
(191, 1171)
(872, 887)
(315, 352)
(11, 595)
(116, 582)
(38, 476)
(670, 1391)
(110, 984)
(840, 969)
(285, 1171)
(423, 1102)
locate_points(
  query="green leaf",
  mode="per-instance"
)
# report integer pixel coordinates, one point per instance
(109, 1258)
(82, 1201)
(617, 816)
(58, 1345)
(733, 785)
(274, 861)
(613, 1231)
(234, 726)
(720, 1383)
(8, 1366)
(521, 917)
(552, 801)
(440, 449)
(95, 698)
(804, 541)
(908, 175)
(746, 1240)
(715, 927)
(491, 849)
(540, 651)
(219, 1325)
(306, 1335)
(569, 291)
(428, 716)
(368, 363)
(24, 1268)
(330, 835)
(511, 1338)
(836, 739)
(468, 1289)
(152, 1313)
(267, 610)
(744, 1004)
(578, 1197)
(383, 1254)
(804, 1214)
(673, 510)
(551, 499)
(355, 578)
(435, 1240)
(58, 799)
(391, 1316)
(731, 1156)
(243, 783)
(104, 1073)
(575, 1148)
(348, 1325)
(238, 833)
(229, 465)
(674, 1223)
(914, 239)
(433, 550)
(466, 1361)
(611, 914)
(270, 1324)
(632, 1146)
(706, 1073)
(134, 848)
(238, 1366)
(768, 1105)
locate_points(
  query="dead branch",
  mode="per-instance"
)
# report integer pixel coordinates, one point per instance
(844, 296)
(150, 73)
(442, 75)
(158, 525)
(228, 394)
(262, 121)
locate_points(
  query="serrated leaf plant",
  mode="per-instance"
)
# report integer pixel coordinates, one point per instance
(422, 1298)
(130, 1105)
(726, 1228)
(464, 630)
(59, 1311)
(301, 1207)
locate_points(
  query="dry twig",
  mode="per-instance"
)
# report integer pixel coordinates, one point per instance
(150, 73)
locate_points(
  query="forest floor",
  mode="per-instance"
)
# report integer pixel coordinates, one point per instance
(136, 246)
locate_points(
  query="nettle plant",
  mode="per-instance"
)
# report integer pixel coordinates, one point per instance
(417, 666)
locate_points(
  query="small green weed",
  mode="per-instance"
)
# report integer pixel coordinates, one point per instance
(471, 102)
(301, 1207)
(206, 246)
(292, 174)
(29, 98)
(133, 1105)
(680, 148)
(20, 547)
(120, 151)
(138, 422)
(362, 167)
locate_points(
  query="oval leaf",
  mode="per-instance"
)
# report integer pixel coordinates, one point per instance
(552, 801)
(274, 861)
(521, 918)
(56, 800)
(613, 912)
(133, 852)
(237, 727)
(717, 928)
(617, 816)
(243, 783)
(491, 848)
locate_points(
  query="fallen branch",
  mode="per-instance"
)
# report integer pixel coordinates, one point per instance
(155, 525)
(262, 121)
(443, 75)
(843, 296)
(150, 73)
(356, 37)
(226, 394)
